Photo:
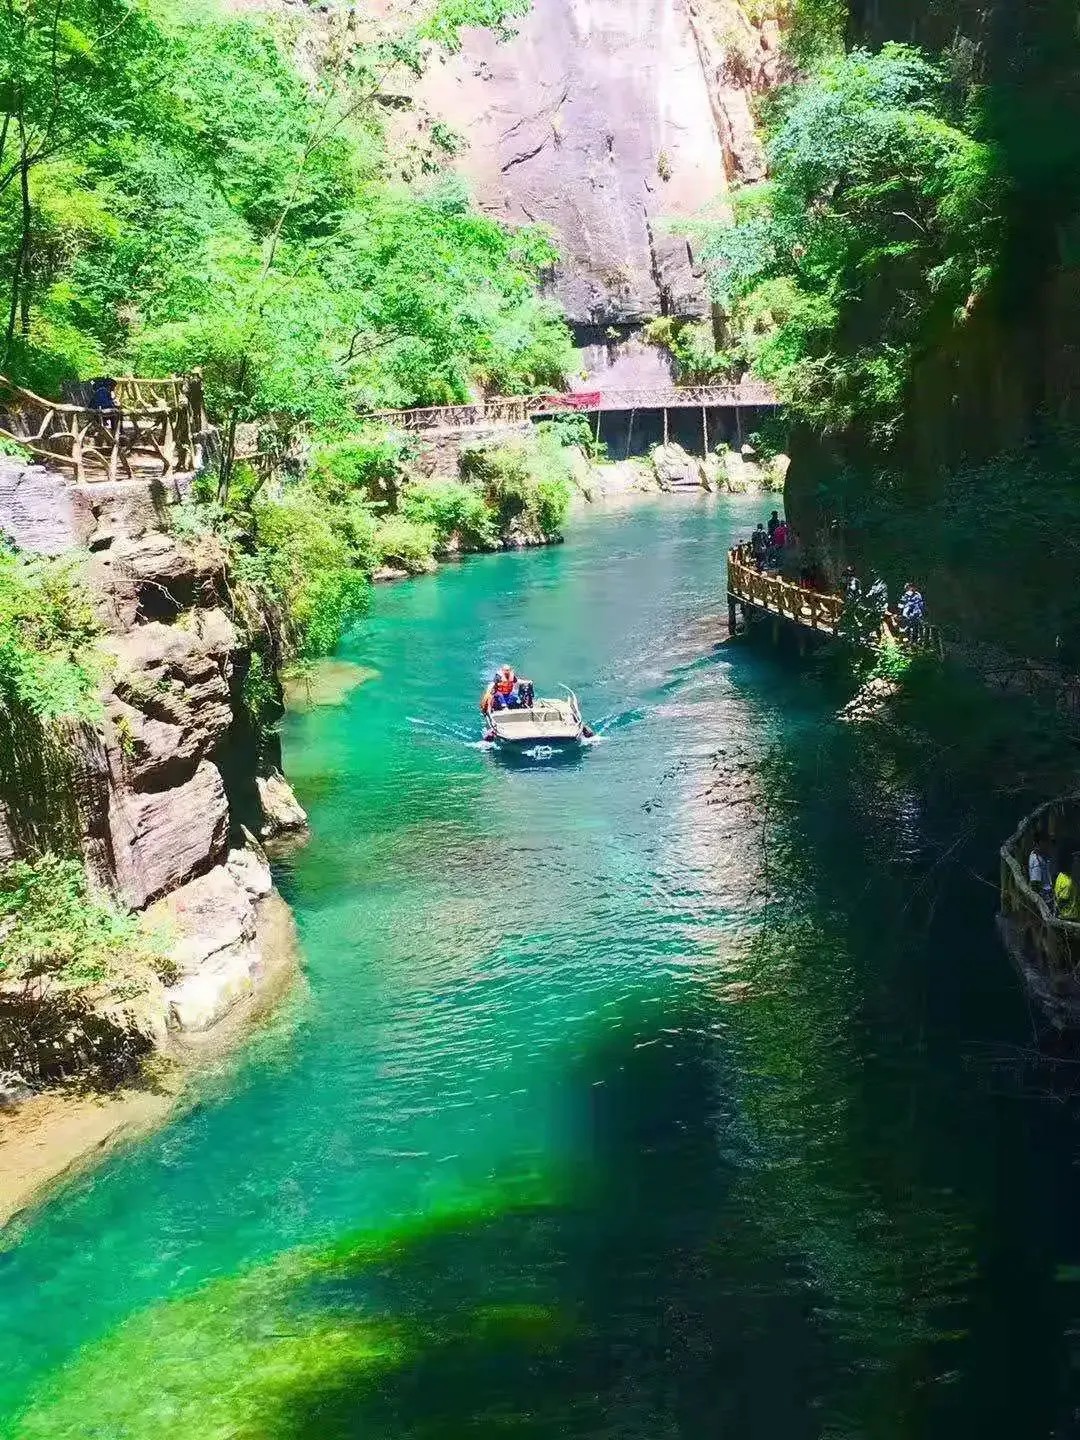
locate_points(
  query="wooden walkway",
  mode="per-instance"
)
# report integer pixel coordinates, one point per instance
(516, 410)
(154, 431)
(754, 589)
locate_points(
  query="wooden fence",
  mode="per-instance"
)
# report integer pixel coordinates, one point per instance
(1043, 946)
(784, 598)
(153, 431)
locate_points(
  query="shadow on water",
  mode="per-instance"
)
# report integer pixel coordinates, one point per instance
(634, 1303)
(634, 1309)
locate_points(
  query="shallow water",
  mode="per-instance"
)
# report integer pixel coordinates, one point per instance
(680, 1090)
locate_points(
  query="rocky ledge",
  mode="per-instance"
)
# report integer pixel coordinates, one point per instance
(171, 794)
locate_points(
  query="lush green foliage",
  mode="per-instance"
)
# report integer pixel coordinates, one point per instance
(47, 631)
(692, 345)
(52, 926)
(877, 232)
(451, 509)
(527, 482)
(575, 432)
(173, 193)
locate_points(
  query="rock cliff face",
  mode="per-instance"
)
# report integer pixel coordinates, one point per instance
(167, 791)
(605, 120)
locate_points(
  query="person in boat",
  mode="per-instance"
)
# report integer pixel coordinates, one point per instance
(507, 692)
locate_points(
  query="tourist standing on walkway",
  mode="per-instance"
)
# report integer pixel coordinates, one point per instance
(774, 521)
(912, 610)
(759, 544)
(1067, 891)
(1039, 869)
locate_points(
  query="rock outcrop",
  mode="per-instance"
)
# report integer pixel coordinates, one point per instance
(596, 120)
(606, 120)
(167, 784)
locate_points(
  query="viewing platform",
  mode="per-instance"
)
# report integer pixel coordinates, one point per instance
(152, 433)
(758, 590)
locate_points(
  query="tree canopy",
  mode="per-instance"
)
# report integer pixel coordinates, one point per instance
(878, 229)
(176, 190)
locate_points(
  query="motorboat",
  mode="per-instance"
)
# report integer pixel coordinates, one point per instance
(546, 726)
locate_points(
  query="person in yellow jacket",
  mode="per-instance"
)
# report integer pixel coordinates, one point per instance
(1067, 891)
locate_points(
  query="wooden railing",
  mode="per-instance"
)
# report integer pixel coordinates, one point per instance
(515, 410)
(751, 586)
(153, 431)
(1045, 948)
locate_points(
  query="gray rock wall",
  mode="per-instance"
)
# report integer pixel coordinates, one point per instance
(597, 121)
(606, 120)
(156, 816)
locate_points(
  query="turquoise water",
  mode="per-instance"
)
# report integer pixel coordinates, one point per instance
(677, 1091)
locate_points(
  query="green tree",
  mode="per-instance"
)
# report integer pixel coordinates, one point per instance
(878, 230)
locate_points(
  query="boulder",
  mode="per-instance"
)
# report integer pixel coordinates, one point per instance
(197, 1002)
(281, 811)
(14, 1090)
(713, 477)
(162, 838)
(210, 914)
(37, 508)
(676, 469)
(250, 868)
(171, 702)
(155, 576)
(735, 476)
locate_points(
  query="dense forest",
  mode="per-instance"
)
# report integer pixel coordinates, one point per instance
(181, 188)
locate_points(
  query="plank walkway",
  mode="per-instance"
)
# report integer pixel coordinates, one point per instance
(516, 410)
(758, 590)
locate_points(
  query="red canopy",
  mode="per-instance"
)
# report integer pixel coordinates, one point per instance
(580, 400)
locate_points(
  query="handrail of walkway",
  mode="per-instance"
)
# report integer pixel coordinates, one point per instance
(153, 431)
(515, 410)
(751, 586)
(812, 609)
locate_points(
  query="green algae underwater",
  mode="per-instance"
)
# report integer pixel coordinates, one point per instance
(680, 1091)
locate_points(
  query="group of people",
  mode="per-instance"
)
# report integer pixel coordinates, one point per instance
(1058, 886)
(774, 547)
(771, 544)
(868, 611)
(507, 691)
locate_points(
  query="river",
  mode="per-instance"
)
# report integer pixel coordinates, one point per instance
(680, 1090)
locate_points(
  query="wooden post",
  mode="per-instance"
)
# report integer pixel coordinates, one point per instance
(705, 429)
(629, 435)
(730, 613)
(665, 425)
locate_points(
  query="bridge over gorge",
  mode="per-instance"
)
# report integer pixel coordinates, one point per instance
(745, 402)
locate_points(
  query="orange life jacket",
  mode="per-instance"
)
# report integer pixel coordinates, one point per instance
(505, 686)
